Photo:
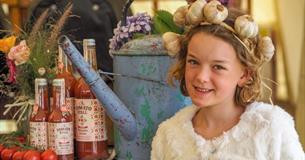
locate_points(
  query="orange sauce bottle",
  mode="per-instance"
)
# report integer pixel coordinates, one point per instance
(39, 116)
(65, 72)
(91, 135)
(60, 123)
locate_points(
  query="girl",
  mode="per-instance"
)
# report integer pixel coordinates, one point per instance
(218, 67)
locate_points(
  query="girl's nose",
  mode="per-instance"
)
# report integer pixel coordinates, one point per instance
(203, 75)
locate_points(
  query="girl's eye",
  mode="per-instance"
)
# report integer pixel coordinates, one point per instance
(218, 67)
(192, 61)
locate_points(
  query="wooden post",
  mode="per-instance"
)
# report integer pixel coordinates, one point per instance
(300, 108)
(15, 12)
(155, 5)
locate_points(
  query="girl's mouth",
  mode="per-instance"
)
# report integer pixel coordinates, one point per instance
(203, 90)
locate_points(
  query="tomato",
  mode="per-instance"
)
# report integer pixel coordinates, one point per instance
(19, 155)
(1, 148)
(7, 153)
(31, 155)
(48, 154)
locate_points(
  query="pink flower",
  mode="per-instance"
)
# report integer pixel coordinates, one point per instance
(12, 71)
(20, 53)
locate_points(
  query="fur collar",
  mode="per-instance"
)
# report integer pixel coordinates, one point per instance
(263, 132)
(255, 118)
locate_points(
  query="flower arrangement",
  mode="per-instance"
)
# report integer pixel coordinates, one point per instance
(5, 79)
(33, 56)
(140, 25)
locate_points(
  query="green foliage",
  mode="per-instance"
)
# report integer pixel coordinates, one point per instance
(42, 41)
(163, 22)
(25, 80)
(138, 35)
(40, 57)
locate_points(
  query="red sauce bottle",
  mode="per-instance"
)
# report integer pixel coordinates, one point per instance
(91, 135)
(65, 72)
(60, 123)
(39, 116)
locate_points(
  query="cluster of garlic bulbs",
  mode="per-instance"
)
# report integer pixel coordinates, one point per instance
(213, 12)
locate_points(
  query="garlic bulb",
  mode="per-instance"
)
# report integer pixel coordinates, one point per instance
(266, 47)
(179, 15)
(215, 12)
(171, 42)
(194, 15)
(246, 27)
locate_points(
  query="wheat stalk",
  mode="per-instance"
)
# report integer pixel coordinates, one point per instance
(40, 21)
(57, 28)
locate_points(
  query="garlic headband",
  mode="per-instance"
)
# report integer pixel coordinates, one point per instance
(201, 12)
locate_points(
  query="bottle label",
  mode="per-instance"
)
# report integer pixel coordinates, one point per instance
(38, 135)
(70, 108)
(61, 137)
(70, 105)
(90, 120)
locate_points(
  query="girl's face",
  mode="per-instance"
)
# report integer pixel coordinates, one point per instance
(212, 71)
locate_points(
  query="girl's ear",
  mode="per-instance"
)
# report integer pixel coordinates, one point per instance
(246, 77)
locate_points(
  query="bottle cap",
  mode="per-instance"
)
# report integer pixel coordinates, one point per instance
(58, 82)
(41, 81)
(88, 42)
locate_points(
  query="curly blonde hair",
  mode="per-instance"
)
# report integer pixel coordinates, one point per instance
(251, 90)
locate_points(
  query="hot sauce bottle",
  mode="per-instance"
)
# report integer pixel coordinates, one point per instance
(60, 123)
(39, 116)
(91, 135)
(65, 72)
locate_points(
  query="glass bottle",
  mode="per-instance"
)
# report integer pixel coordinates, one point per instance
(65, 72)
(60, 123)
(91, 137)
(39, 116)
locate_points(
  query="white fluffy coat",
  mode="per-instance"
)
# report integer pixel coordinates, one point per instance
(264, 132)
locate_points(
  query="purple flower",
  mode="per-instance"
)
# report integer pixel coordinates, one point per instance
(139, 23)
(224, 2)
